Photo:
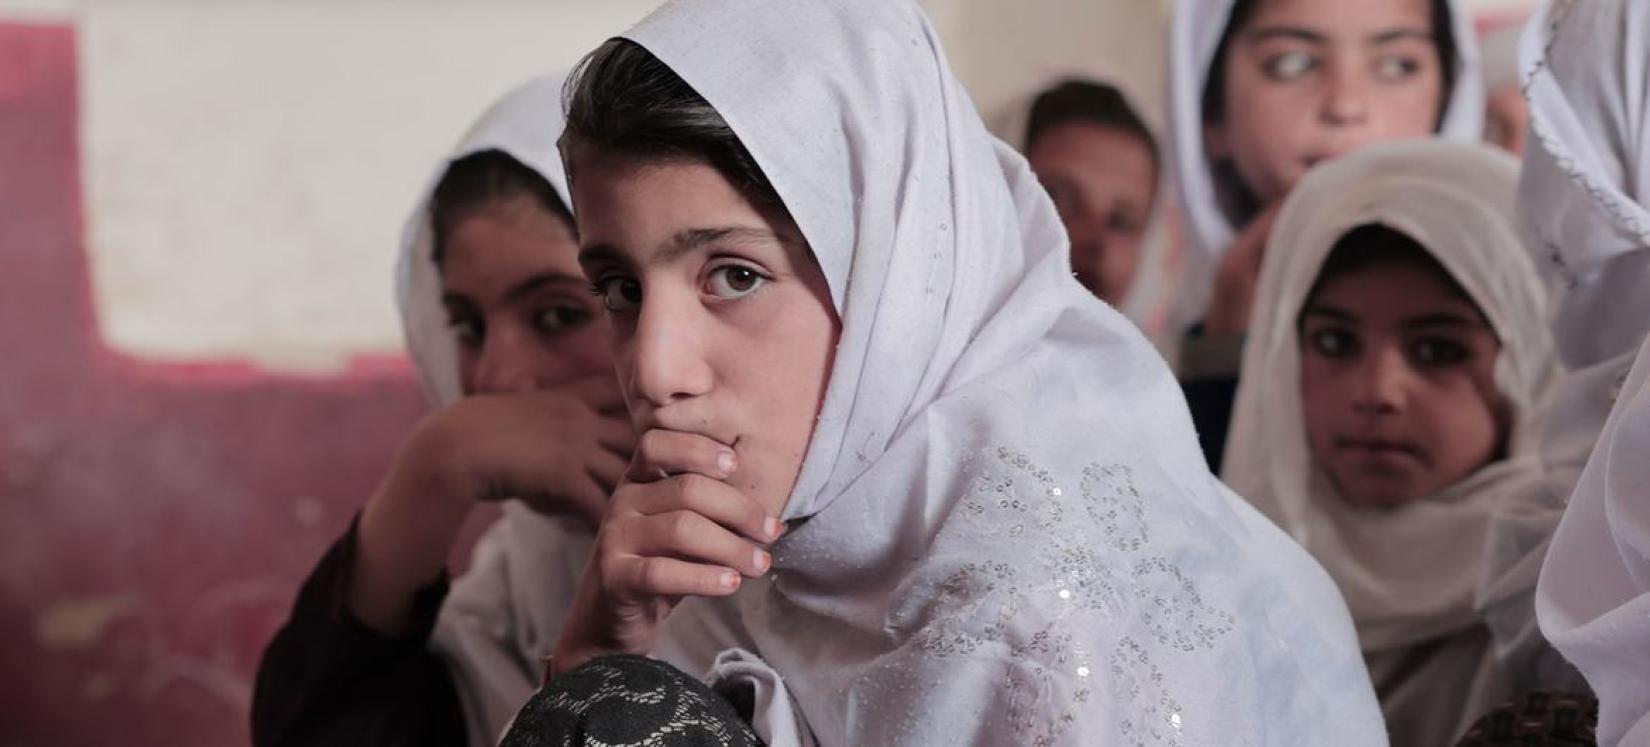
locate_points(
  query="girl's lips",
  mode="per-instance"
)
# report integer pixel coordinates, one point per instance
(696, 429)
(1378, 447)
(1316, 158)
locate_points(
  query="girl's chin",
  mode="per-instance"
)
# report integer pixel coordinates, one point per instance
(1381, 497)
(1381, 492)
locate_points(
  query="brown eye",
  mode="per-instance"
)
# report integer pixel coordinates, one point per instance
(469, 331)
(1393, 68)
(1289, 66)
(1333, 343)
(619, 294)
(553, 319)
(1438, 352)
(1065, 200)
(733, 281)
(1121, 223)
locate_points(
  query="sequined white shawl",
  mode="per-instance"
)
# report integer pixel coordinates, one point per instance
(1003, 532)
(1194, 35)
(1409, 575)
(1587, 200)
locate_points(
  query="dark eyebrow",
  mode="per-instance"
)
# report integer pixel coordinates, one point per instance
(533, 284)
(1441, 319)
(1258, 35)
(519, 290)
(682, 243)
(1266, 33)
(1392, 35)
(598, 253)
(693, 238)
(1339, 315)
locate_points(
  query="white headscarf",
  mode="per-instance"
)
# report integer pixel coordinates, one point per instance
(1588, 208)
(1194, 36)
(1594, 596)
(492, 632)
(1408, 575)
(525, 124)
(1498, 53)
(504, 615)
(1003, 531)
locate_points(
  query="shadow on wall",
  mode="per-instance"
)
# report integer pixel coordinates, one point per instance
(155, 520)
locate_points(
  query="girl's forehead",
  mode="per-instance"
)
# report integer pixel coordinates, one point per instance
(1343, 15)
(1398, 291)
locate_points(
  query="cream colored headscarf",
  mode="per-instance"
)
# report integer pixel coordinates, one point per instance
(1408, 575)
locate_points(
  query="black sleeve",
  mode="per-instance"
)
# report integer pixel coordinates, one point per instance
(329, 679)
(1209, 368)
(1211, 402)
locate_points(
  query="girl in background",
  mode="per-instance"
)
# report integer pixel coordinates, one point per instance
(1387, 407)
(1260, 91)
(511, 347)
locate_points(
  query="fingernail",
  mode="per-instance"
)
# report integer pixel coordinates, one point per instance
(774, 527)
(763, 561)
(729, 580)
(726, 462)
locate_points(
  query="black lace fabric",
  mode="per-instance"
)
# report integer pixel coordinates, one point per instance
(628, 700)
(1537, 719)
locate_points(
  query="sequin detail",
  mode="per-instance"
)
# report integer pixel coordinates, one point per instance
(1093, 566)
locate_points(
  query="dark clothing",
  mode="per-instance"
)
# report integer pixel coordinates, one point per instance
(1211, 402)
(628, 700)
(1537, 719)
(1209, 368)
(329, 679)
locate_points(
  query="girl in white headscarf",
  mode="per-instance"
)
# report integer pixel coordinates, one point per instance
(509, 345)
(1386, 401)
(1223, 188)
(1588, 213)
(843, 307)
(1259, 92)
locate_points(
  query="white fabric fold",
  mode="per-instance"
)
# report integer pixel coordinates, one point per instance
(1410, 574)
(737, 672)
(1585, 68)
(1194, 35)
(1003, 532)
(1594, 595)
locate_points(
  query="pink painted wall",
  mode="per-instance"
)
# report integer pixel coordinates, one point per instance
(155, 520)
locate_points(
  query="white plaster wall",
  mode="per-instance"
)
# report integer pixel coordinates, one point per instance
(249, 163)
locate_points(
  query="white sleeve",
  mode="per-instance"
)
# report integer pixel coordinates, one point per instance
(503, 617)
